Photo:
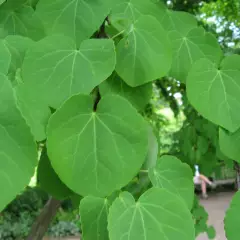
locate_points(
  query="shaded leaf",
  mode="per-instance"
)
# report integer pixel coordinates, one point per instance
(138, 96)
(34, 110)
(5, 59)
(215, 92)
(202, 144)
(59, 70)
(229, 144)
(91, 151)
(232, 218)
(49, 181)
(19, 19)
(94, 213)
(17, 45)
(211, 232)
(18, 151)
(176, 177)
(158, 214)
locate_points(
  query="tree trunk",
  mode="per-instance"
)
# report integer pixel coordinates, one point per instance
(40, 226)
(237, 167)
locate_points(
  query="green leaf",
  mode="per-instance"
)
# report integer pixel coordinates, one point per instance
(215, 92)
(232, 218)
(2, 1)
(181, 22)
(144, 54)
(49, 181)
(158, 214)
(18, 151)
(138, 96)
(90, 151)
(211, 232)
(229, 144)
(5, 59)
(78, 19)
(189, 48)
(34, 111)
(19, 19)
(17, 45)
(152, 153)
(59, 70)
(200, 217)
(94, 213)
(202, 144)
(127, 12)
(207, 163)
(176, 177)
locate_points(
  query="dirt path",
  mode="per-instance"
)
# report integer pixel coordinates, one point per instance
(216, 206)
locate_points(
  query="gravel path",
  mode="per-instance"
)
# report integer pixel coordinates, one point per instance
(216, 206)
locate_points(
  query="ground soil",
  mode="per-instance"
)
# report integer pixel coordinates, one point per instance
(216, 205)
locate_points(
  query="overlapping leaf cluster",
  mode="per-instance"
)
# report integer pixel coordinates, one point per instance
(93, 62)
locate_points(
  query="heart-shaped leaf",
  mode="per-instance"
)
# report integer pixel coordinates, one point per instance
(189, 48)
(144, 54)
(215, 91)
(18, 151)
(127, 12)
(94, 214)
(176, 177)
(232, 218)
(179, 21)
(96, 153)
(19, 19)
(59, 70)
(229, 144)
(158, 214)
(78, 19)
(138, 96)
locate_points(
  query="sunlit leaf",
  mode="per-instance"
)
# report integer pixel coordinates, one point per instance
(189, 48)
(182, 22)
(144, 54)
(59, 70)
(78, 19)
(138, 96)
(176, 177)
(18, 152)
(151, 158)
(127, 12)
(96, 153)
(215, 92)
(158, 214)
